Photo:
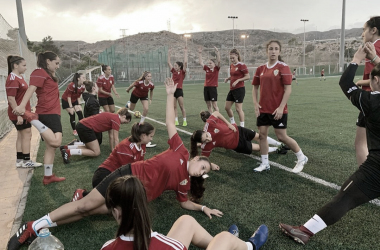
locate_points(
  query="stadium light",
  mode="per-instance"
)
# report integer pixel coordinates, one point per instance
(244, 37)
(304, 34)
(233, 29)
(186, 36)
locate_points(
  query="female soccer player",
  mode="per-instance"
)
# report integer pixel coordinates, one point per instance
(210, 91)
(218, 132)
(91, 104)
(127, 193)
(70, 99)
(16, 87)
(371, 33)
(363, 185)
(106, 83)
(238, 74)
(274, 80)
(169, 170)
(178, 75)
(322, 75)
(294, 76)
(141, 87)
(48, 121)
(131, 149)
(87, 129)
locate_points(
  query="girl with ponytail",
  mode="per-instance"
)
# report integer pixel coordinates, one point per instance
(70, 99)
(106, 83)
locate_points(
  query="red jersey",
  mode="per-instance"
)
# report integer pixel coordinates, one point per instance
(102, 122)
(322, 72)
(47, 92)
(178, 77)
(237, 71)
(221, 135)
(272, 81)
(141, 90)
(157, 242)
(369, 66)
(212, 76)
(105, 84)
(165, 171)
(70, 92)
(16, 86)
(124, 153)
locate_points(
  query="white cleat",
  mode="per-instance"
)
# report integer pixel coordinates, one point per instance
(272, 149)
(31, 164)
(262, 167)
(150, 145)
(300, 164)
(19, 164)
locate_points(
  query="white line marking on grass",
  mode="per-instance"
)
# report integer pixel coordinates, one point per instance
(275, 164)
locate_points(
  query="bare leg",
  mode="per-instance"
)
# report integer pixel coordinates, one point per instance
(215, 106)
(227, 241)
(145, 104)
(91, 149)
(111, 108)
(182, 106)
(209, 108)
(228, 107)
(361, 147)
(106, 108)
(26, 135)
(132, 106)
(99, 210)
(239, 110)
(283, 137)
(263, 142)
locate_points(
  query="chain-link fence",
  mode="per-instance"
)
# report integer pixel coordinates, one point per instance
(11, 44)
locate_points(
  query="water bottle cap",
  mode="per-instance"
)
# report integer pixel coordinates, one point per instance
(44, 232)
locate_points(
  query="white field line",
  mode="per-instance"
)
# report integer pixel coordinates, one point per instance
(275, 164)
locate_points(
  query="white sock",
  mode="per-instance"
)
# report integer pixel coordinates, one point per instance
(43, 222)
(300, 155)
(315, 224)
(242, 124)
(72, 146)
(232, 120)
(272, 141)
(79, 143)
(249, 246)
(176, 119)
(265, 159)
(75, 151)
(142, 119)
(184, 119)
(39, 126)
(48, 169)
(272, 149)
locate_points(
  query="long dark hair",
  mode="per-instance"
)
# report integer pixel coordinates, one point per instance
(375, 71)
(279, 44)
(374, 22)
(12, 60)
(197, 188)
(180, 64)
(128, 193)
(195, 138)
(89, 85)
(75, 81)
(204, 115)
(236, 52)
(124, 111)
(138, 129)
(41, 62)
(104, 67)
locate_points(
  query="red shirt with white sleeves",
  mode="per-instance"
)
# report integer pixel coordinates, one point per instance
(16, 86)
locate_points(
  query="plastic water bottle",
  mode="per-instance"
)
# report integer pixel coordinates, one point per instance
(46, 241)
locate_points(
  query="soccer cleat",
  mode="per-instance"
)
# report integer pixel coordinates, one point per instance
(260, 236)
(73, 142)
(272, 149)
(29, 116)
(78, 194)
(184, 124)
(176, 123)
(300, 234)
(50, 179)
(300, 164)
(19, 164)
(65, 156)
(284, 146)
(234, 230)
(75, 133)
(150, 145)
(24, 235)
(31, 164)
(262, 167)
(63, 147)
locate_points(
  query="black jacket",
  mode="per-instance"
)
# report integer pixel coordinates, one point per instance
(91, 106)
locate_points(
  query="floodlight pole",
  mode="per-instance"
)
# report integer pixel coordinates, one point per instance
(21, 24)
(304, 48)
(244, 37)
(233, 29)
(342, 34)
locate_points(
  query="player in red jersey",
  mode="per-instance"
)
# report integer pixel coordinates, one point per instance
(87, 129)
(169, 170)
(218, 132)
(131, 149)
(294, 78)
(106, 83)
(371, 34)
(70, 99)
(274, 80)
(126, 199)
(141, 88)
(210, 91)
(16, 87)
(44, 82)
(238, 74)
(322, 75)
(178, 75)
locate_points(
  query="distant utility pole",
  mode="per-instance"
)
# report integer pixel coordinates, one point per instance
(123, 35)
(168, 24)
(233, 29)
(304, 48)
(342, 34)
(21, 24)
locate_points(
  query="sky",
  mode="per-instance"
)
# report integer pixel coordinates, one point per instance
(97, 20)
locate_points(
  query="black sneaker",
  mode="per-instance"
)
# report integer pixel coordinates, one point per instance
(25, 234)
(283, 149)
(65, 156)
(72, 142)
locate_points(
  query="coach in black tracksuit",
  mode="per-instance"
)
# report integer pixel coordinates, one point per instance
(92, 106)
(364, 185)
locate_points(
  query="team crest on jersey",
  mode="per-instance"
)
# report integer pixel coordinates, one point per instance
(178, 73)
(262, 73)
(216, 131)
(111, 82)
(22, 85)
(214, 143)
(183, 183)
(275, 72)
(180, 160)
(236, 69)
